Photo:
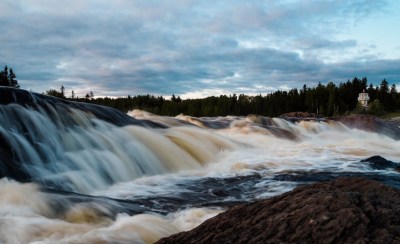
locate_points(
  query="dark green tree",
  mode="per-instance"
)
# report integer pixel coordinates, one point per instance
(54, 93)
(4, 77)
(8, 78)
(327, 100)
(62, 90)
(12, 79)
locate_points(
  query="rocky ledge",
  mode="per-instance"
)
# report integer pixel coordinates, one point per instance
(346, 210)
(370, 123)
(390, 128)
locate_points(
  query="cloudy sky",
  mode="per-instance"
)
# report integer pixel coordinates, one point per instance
(197, 48)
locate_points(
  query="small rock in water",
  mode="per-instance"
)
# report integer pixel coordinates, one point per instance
(380, 163)
(346, 210)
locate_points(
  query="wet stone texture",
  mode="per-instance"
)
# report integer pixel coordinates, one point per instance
(370, 123)
(346, 210)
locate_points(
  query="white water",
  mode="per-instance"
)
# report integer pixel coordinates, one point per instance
(95, 154)
(27, 217)
(133, 162)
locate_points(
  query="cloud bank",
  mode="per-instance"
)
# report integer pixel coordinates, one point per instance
(195, 48)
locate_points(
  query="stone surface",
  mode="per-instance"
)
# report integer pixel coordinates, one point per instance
(300, 115)
(61, 109)
(380, 163)
(346, 210)
(370, 123)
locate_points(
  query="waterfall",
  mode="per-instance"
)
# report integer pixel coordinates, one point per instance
(83, 173)
(71, 148)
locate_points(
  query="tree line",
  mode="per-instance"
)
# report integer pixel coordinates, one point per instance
(325, 100)
(8, 78)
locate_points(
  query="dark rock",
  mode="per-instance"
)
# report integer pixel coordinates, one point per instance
(380, 163)
(370, 123)
(347, 210)
(62, 108)
(300, 115)
(312, 176)
(395, 121)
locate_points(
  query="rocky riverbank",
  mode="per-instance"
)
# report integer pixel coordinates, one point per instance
(346, 210)
(369, 123)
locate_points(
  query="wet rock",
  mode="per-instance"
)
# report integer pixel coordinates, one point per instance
(395, 121)
(370, 123)
(380, 163)
(48, 105)
(16, 106)
(346, 210)
(300, 115)
(312, 176)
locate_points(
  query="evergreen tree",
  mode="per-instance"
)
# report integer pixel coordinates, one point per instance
(62, 90)
(8, 78)
(327, 100)
(12, 79)
(54, 93)
(393, 89)
(384, 87)
(4, 77)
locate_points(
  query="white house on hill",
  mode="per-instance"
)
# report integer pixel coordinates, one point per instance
(363, 98)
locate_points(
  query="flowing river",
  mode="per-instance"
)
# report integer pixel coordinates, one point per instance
(70, 175)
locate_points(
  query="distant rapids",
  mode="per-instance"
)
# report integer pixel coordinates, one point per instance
(82, 173)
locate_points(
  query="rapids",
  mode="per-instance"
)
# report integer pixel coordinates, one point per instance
(81, 173)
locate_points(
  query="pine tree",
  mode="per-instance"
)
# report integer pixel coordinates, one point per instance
(62, 89)
(8, 78)
(12, 79)
(4, 77)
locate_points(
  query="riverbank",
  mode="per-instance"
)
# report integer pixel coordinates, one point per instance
(346, 210)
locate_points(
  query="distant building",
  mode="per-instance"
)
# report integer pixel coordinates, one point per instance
(363, 98)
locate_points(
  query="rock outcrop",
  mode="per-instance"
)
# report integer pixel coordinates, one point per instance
(380, 163)
(346, 210)
(300, 115)
(24, 114)
(60, 109)
(370, 123)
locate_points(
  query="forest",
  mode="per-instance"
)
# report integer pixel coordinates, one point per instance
(325, 100)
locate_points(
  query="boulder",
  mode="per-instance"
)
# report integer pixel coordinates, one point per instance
(346, 210)
(380, 163)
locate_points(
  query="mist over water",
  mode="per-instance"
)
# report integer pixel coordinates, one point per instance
(70, 176)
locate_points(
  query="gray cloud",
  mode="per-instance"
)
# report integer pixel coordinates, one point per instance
(185, 47)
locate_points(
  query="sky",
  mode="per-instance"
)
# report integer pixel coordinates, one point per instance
(197, 48)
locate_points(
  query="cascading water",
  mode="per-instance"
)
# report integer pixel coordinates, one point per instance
(81, 173)
(92, 154)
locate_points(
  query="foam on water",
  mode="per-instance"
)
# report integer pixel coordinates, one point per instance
(92, 154)
(26, 216)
